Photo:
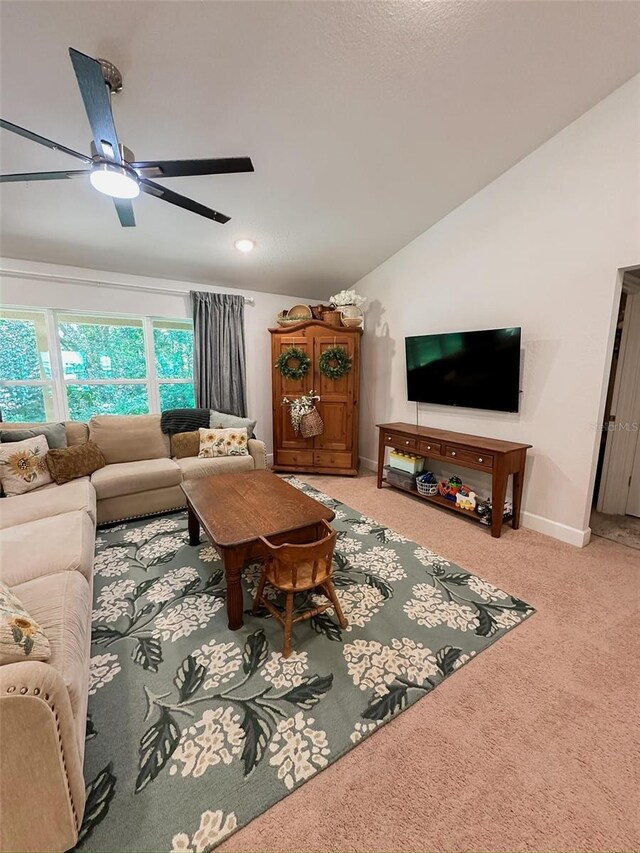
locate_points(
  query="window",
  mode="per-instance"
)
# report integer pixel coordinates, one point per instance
(104, 366)
(57, 366)
(26, 387)
(173, 347)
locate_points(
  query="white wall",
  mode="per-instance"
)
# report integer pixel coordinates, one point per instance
(540, 248)
(34, 287)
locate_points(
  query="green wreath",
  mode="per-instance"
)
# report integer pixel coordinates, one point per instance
(295, 371)
(335, 362)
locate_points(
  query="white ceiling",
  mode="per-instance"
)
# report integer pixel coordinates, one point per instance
(366, 122)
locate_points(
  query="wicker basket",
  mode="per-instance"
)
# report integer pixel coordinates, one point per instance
(311, 424)
(334, 318)
(427, 489)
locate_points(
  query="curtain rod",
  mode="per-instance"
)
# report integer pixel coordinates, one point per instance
(249, 300)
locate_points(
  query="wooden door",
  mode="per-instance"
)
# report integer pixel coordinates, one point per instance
(288, 445)
(337, 395)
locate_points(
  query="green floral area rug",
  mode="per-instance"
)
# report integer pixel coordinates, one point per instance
(194, 730)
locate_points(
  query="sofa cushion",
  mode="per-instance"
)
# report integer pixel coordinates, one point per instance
(21, 638)
(61, 604)
(193, 467)
(48, 501)
(71, 463)
(55, 434)
(127, 478)
(23, 465)
(129, 438)
(62, 543)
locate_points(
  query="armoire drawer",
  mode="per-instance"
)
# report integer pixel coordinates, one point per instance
(294, 457)
(332, 458)
(463, 456)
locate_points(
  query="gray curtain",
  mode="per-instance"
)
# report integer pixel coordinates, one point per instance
(219, 356)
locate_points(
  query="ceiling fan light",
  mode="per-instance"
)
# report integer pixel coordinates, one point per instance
(114, 181)
(245, 245)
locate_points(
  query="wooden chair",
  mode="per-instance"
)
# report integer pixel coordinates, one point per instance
(298, 568)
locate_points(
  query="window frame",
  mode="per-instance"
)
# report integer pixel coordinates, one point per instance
(59, 383)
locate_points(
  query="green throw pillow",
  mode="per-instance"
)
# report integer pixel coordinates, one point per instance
(55, 434)
(218, 420)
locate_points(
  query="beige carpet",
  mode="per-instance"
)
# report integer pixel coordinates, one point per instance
(624, 529)
(533, 747)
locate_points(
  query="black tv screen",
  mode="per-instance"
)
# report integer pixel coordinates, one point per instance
(477, 370)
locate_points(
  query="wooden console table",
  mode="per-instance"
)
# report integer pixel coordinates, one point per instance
(491, 455)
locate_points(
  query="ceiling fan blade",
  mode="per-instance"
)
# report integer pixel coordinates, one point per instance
(97, 103)
(124, 208)
(44, 176)
(41, 140)
(181, 201)
(180, 168)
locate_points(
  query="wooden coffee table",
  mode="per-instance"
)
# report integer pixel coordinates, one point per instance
(235, 510)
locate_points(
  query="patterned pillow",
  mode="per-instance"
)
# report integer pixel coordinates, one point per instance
(79, 460)
(185, 444)
(23, 465)
(222, 442)
(20, 636)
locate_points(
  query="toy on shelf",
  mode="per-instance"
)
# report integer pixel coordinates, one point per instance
(427, 484)
(449, 488)
(406, 461)
(466, 501)
(485, 510)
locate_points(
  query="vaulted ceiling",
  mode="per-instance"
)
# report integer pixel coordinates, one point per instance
(367, 123)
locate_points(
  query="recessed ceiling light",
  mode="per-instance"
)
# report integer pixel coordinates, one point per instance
(245, 245)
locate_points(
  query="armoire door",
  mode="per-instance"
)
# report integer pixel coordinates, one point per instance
(291, 449)
(336, 396)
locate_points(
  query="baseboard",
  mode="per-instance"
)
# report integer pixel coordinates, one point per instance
(369, 464)
(570, 535)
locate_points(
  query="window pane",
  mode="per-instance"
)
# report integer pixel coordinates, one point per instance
(24, 353)
(88, 400)
(96, 348)
(26, 403)
(177, 396)
(173, 344)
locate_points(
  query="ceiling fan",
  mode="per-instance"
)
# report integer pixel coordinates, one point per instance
(113, 169)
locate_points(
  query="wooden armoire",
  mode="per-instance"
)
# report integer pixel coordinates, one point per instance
(336, 450)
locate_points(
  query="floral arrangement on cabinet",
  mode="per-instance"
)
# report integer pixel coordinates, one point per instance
(349, 303)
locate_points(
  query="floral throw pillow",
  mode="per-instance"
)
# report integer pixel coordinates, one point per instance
(21, 638)
(23, 465)
(223, 442)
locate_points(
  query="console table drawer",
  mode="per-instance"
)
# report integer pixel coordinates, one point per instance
(399, 441)
(430, 448)
(295, 457)
(470, 456)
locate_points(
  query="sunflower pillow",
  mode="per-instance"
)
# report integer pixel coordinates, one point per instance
(223, 442)
(21, 638)
(23, 465)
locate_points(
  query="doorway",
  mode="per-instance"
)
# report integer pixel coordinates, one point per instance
(616, 513)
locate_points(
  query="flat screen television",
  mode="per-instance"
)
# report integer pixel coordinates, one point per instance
(477, 370)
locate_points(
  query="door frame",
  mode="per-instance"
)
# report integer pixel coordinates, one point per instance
(621, 444)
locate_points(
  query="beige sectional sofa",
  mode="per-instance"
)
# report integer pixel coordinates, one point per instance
(47, 539)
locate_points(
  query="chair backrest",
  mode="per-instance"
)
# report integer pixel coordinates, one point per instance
(301, 566)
